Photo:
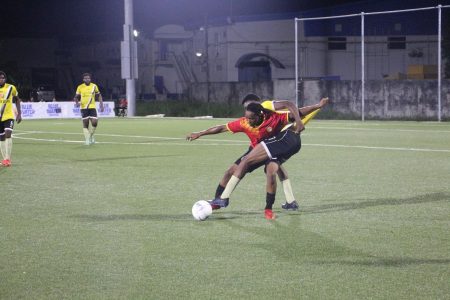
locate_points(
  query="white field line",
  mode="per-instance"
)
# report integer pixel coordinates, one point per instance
(208, 142)
(381, 129)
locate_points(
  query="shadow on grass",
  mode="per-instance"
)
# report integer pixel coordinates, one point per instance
(387, 262)
(164, 217)
(426, 198)
(119, 158)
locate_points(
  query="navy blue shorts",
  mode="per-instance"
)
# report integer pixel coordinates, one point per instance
(282, 146)
(88, 113)
(253, 167)
(6, 125)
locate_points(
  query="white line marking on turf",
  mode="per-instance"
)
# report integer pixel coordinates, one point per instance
(381, 148)
(233, 143)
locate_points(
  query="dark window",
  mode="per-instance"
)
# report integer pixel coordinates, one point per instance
(337, 43)
(397, 42)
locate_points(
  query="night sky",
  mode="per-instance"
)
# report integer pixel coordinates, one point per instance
(49, 18)
(56, 18)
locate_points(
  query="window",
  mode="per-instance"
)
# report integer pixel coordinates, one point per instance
(397, 42)
(337, 43)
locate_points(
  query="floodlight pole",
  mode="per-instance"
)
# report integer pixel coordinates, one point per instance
(363, 78)
(439, 59)
(296, 62)
(129, 58)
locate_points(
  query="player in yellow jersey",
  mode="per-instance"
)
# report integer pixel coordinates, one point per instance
(86, 95)
(306, 114)
(8, 95)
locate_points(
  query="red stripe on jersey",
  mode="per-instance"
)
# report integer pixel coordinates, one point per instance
(272, 125)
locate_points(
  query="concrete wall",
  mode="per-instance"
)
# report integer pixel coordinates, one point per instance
(385, 99)
(409, 99)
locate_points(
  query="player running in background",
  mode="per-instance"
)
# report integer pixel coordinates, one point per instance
(88, 93)
(8, 95)
(258, 124)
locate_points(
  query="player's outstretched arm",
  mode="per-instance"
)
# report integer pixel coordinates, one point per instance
(213, 130)
(310, 108)
(293, 113)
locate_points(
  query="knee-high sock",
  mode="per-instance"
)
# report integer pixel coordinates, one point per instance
(8, 142)
(3, 149)
(86, 133)
(231, 185)
(270, 200)
(92, 130)
(288, 191)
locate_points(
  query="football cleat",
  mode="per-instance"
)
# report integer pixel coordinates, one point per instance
(218, 203)
(6, 163)
(290, 206)
(269, 214)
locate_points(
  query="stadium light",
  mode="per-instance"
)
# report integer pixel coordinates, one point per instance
(198, 54)
(135, 33)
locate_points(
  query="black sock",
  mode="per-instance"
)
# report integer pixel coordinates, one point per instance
(270, 200)
(219, 191)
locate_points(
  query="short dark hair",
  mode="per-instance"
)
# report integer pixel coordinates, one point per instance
(4, 74)
(257, 108)
(251, 97)
(87, 74)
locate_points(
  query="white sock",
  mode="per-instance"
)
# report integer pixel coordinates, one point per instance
(8, 142)
(86, 133)
(92, 130)
(288, 191)
(231, 185)
(3, 148)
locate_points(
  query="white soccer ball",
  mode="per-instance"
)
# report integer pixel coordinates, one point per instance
(201, 210)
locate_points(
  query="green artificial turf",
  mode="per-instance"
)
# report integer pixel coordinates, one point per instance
(113, 220)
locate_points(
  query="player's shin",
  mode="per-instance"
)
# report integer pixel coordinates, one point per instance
(288, 191)
(3, 148)
(270, 200)
(231, 185)
(8, 142)
(219, 191)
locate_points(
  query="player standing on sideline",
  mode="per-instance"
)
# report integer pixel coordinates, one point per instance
(88, 93)
(8, 95)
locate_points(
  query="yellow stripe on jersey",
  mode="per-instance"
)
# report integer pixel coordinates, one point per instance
(87, 93)
(310, 116)
(7, 93)
(268, 104)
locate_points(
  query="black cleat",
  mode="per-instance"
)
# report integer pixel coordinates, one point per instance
(290, 206)
(218, 203)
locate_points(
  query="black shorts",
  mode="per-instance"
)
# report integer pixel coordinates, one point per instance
(6, 125)
(253, 167)
(282, 146)
(88, 113)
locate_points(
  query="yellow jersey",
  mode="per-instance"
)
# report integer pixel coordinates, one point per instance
(7, 92)
(269, 104)
(87, 93)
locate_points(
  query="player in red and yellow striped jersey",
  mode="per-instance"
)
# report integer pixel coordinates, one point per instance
(272, 168)
(87, 93)
(258, 124)
(306, 113)
(8, 95)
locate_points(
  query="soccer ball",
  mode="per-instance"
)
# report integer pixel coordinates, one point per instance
(201, 210)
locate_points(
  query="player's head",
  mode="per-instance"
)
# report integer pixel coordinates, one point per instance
(254, 112)
(87, 78)
(250, 98)
(2, 78)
